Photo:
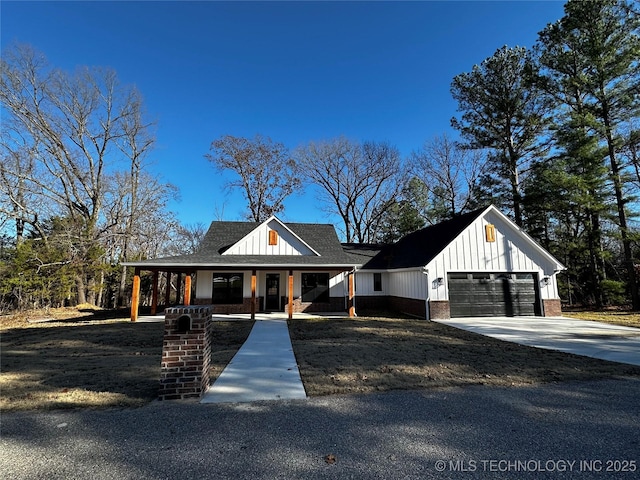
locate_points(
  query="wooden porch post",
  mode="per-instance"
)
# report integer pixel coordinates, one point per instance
(187, 289)
(253, 295)
(135, 295)
(352, 308)
(154, 297)
(178, 287)
(167, 291)
(290, 294)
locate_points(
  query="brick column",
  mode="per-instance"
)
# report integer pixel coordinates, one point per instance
(439, 309)
(186, 352)
(552, 307)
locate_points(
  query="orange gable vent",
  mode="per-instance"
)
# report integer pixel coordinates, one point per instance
(273, 237)
(490, 232)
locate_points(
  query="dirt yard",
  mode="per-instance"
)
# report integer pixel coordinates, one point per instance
(77, 361)
(92, 358)
(378, 354)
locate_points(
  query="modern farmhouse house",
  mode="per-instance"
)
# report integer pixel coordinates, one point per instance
(477, 264)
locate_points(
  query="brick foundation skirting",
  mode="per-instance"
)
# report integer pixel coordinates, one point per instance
(409, 306)
(227, 308)
(335, 304)
(369, 305)
(552, 307)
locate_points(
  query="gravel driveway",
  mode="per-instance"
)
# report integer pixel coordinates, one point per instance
(570, 430)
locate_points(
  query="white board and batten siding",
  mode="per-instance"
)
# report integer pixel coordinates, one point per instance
(257, 242)
(365, 283)
(408, 283)
(512, 251)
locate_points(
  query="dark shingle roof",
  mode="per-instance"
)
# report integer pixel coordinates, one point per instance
(413, 250)
(363, 252)
(222, 235)
(419, 248)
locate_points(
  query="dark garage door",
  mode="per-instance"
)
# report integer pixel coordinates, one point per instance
(492, 294)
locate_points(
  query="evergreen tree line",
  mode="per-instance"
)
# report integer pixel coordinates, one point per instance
(560, 124)
(548, 134)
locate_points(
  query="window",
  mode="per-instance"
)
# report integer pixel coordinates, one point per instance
(377, 282)
(227, 288)
(315, 287)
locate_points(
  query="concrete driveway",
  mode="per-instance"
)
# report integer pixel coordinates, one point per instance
(592, 339)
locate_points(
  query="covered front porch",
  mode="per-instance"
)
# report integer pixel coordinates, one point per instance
(242, 290)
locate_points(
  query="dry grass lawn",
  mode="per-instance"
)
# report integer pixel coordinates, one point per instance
(72, 358)
(615, 317)
(378, 354)
(76, 360)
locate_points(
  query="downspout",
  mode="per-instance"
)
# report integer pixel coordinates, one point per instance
(427, 315)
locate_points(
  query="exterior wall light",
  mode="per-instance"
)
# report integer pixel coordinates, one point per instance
(438, 282)
(545, 281)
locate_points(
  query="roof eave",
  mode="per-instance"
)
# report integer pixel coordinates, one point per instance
(239, 265)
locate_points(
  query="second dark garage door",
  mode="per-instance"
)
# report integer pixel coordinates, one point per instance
(492, 294)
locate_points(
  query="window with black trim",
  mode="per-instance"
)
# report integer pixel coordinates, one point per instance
(377, 282)
(227, 288)
(315, 287)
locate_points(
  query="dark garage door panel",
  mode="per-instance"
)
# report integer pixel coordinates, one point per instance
(492, 294)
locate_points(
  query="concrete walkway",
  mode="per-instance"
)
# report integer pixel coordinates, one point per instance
(581, 337)
(263, 369)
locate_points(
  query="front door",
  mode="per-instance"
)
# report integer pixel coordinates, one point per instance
(272, 301)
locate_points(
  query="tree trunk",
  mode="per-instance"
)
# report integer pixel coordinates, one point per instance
(91, 290)
(100, 290)
(123, 286)
(81, 296)
(594, 260)
(622, 215)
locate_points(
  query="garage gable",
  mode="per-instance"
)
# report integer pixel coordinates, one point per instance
(492, 242)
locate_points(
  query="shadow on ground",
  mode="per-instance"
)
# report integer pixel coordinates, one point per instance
(77, 362)
(367, 355)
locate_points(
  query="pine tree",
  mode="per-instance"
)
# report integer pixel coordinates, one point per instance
(591, 65)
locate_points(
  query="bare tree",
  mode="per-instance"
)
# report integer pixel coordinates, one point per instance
(265, 169)
(17, 202)
(76, 130)
(449, 172)
(187, 238)
(358, 182)
(135, 144)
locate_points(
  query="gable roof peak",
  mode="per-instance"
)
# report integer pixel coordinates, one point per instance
(420, 247)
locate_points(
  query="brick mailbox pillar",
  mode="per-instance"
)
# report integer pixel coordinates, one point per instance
(186, 352)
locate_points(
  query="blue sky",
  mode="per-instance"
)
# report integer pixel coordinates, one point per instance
(293, 71)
